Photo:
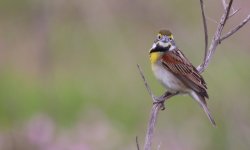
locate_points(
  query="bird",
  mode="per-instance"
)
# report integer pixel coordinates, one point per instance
(175, 72)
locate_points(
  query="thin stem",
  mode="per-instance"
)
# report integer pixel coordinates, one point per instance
(236, 28)
(151, 125)
(154, 111)
(137, 143)
(145, 82)
(205, 28)
(234, 12)
(227, 12)
(225, 8)
(216, 39)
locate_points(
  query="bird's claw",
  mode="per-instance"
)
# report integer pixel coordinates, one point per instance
(161, 103)
(159, 100)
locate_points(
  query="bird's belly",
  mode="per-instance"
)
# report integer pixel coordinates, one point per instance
(168, 80)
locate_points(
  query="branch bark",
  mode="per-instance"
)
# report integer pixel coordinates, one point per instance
(216, 40)
(137, 143)
(236, 28)
(154, 111)
(205, 28)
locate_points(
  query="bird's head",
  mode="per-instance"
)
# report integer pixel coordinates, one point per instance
(164, 42)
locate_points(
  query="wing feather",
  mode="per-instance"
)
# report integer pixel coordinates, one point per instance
(178, 64)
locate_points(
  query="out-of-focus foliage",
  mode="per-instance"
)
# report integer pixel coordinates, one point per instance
(68, 75)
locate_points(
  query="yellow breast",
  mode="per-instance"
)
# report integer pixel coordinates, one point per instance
(154, 57)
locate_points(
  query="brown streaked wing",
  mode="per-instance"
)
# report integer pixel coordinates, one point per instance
(177, 63)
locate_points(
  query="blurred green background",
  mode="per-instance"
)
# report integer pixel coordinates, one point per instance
(69, 80)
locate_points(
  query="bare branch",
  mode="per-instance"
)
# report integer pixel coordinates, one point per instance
(137, 143)
(228, 8)
(234, 12)
(217, 36)
(216, 39)
(152, 121)
(236, 28)
(154, 111)
(224, 4)
(205, 27)
(225, 8)
(153, 115)
(145, 82)
(151, 125)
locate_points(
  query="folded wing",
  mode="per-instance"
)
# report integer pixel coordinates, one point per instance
(178, 64)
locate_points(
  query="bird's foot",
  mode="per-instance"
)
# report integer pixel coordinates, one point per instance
(159, 100)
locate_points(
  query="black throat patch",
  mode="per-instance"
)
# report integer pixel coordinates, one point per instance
(159, 48)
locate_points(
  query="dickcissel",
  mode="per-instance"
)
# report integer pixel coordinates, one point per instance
(175, 71)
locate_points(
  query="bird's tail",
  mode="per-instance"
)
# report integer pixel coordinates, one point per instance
(202, 101)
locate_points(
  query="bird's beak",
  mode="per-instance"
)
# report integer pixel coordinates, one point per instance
(164, 39)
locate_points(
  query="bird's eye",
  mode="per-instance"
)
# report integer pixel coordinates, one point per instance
(159, 36)
(170, 38)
